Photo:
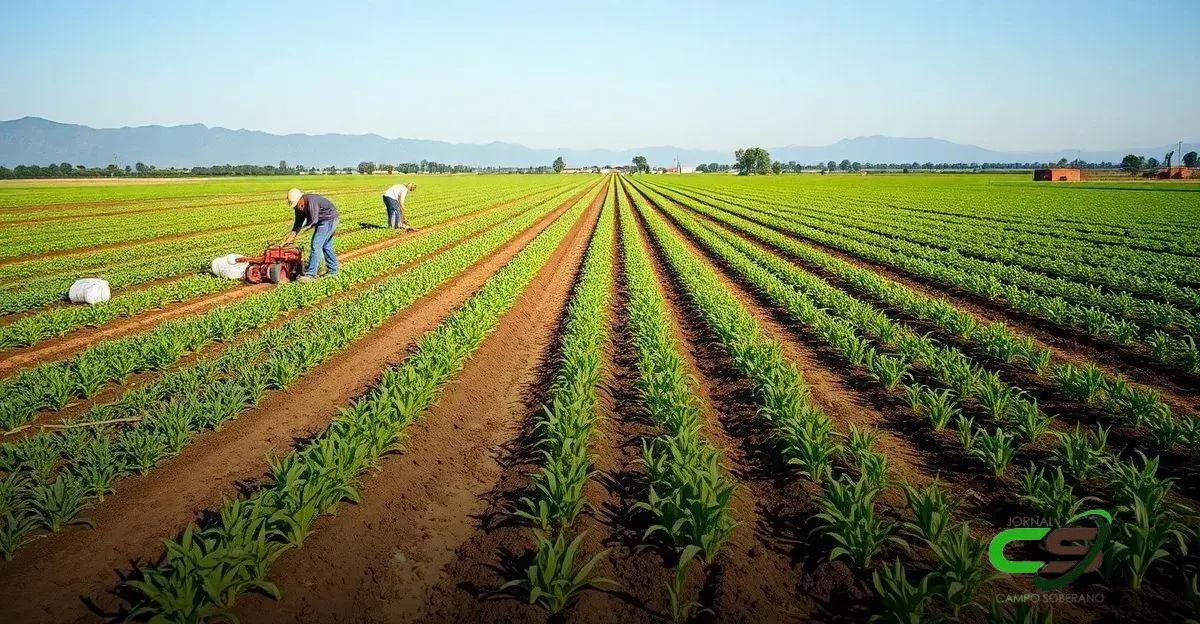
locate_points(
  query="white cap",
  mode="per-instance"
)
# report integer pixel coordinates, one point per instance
(294, 197)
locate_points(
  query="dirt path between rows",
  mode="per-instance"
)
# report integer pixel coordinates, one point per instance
(396, 556)
(611, 523)
(70, 576)
(749, 581)
(60, 348)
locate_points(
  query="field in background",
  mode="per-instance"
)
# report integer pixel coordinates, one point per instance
(716, 397)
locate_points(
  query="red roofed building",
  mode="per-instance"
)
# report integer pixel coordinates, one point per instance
(1057, 175)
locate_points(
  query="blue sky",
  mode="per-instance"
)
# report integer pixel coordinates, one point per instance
(1005, 75)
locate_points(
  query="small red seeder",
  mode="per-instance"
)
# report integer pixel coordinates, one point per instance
(277, 264)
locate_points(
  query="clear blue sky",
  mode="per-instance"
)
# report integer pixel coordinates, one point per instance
(1004, 75)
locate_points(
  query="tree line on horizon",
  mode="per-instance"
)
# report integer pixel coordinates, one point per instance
(749, 161)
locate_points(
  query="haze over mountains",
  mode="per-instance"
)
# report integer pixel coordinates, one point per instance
(33, 140)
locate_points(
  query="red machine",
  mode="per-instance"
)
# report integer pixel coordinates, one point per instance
(277, 264)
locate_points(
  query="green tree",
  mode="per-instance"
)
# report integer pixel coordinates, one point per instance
(559, 165)
(1167, 159)
(844, 165)
(752, 160)
(1152, 163)
(831, 166)
(1189, 159)
(1132, 163)
(642, 165)
(366, 167)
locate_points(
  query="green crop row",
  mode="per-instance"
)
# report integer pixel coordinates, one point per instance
(207, 569)
(848, 518)
(1140, 407)
(1140, 496)
(1138, 272)
(173, 258)
(56, 236)
(53, 385)
(1122, 221)
(166, 419)
(689, 491)
(565, 427)
(31, 329)
(1177, 351)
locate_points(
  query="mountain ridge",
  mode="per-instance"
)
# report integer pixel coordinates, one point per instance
(35, 140)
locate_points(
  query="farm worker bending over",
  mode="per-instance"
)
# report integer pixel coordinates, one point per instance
(321, 215)
(393, 200)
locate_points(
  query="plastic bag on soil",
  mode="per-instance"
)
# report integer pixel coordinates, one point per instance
(228, 267)
(89, 290)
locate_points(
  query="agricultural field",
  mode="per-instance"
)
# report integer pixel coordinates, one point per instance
(583, 398)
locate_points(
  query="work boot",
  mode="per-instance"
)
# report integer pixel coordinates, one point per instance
(305, 278)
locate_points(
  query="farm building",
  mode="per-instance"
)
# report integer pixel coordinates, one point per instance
(1179, 173)
(1057, 175)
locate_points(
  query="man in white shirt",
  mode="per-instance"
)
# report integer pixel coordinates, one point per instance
(393, 200)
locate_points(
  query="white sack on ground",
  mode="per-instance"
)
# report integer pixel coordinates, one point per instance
(228, 267)
(89, 290)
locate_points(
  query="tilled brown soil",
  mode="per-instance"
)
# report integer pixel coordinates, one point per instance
(421, 544)
(750, 580)
(72, 575)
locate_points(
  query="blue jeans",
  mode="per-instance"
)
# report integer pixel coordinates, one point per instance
(322, 243)
(394, 216)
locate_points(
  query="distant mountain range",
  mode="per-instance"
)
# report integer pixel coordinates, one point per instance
(33, 140)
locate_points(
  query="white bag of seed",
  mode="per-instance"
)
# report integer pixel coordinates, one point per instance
(89, 290)
(228, 267)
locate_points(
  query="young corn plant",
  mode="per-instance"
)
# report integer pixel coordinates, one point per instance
(1029, 420)
(555, 577)
(889, 371)
(940, 406)
(932, 509)
(995, 449)
(850, 520)
(680, 608)
(1050, 496)
(961, 572)
(1147, 522)
(1140, 541)
(1082, 453)
(997, 398)
(58, 504)
(902, 602)
(810, 444)
(966, 433)
(16, 529)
